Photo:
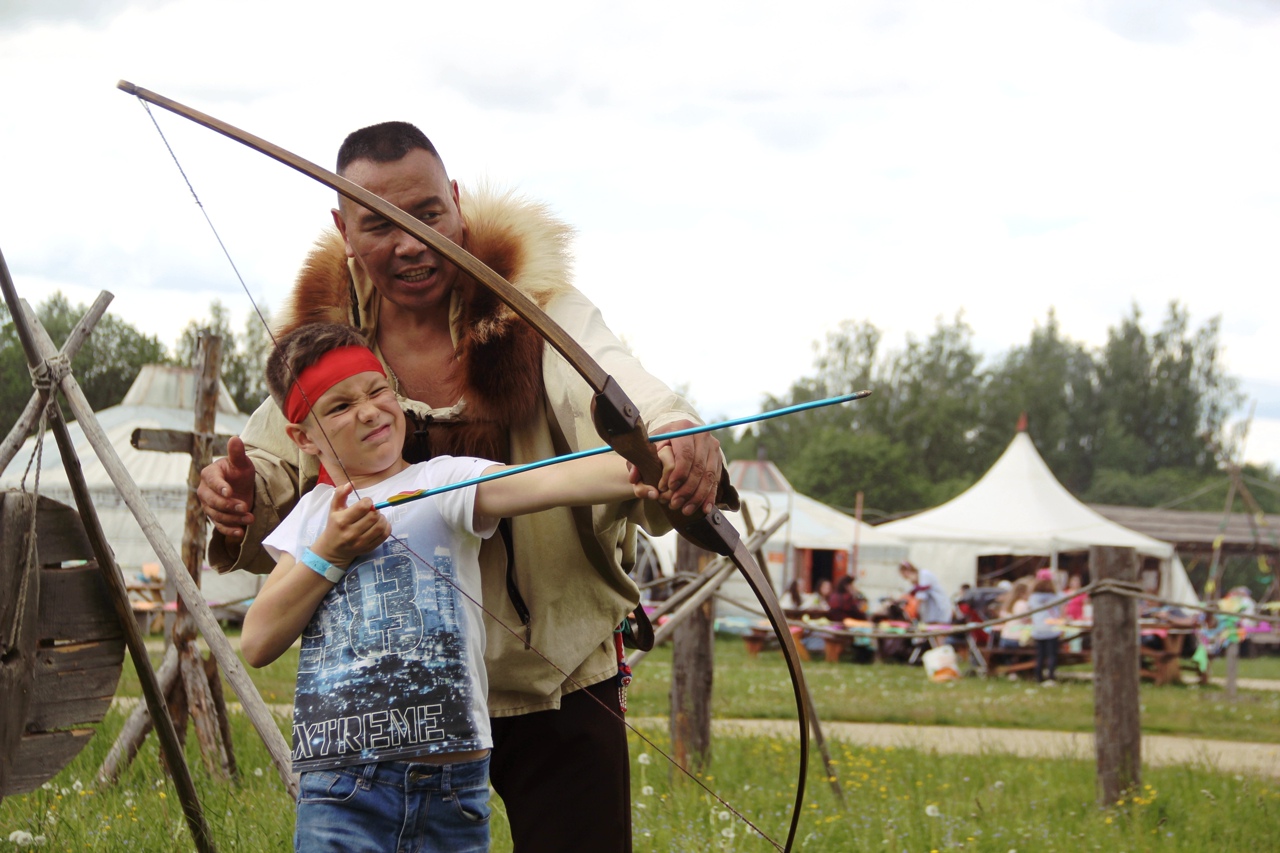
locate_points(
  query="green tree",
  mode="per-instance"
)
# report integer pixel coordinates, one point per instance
(104, 368)
(1163, 398)
(907, 446)
(840, 463)
(1053, 380)
(933, 401)
(244, 356)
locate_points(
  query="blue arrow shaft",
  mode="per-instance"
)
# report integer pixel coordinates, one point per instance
(596, 451)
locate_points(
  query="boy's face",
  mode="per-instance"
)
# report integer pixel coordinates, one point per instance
(357, 426)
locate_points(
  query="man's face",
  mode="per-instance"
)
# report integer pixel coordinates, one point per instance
(406, 272)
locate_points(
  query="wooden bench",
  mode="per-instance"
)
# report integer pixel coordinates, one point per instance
(759, 638)
(1011, 661)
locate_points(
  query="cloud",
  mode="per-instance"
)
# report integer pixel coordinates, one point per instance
(19, 15)
(1174, 21)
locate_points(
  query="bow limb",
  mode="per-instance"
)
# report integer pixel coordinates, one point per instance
(616, 417)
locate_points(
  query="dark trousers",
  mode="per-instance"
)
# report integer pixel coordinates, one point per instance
(1046, 658)
(564, 776)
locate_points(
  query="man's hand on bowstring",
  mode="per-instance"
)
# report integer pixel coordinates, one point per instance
(695, 473)
(226, 491)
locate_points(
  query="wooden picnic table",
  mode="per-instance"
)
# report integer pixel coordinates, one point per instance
(1162, 663)
(1160, 653)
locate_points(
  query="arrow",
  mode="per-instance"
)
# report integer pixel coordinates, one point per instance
(409, 497)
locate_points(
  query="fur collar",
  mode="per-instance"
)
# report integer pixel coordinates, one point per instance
(500, 354)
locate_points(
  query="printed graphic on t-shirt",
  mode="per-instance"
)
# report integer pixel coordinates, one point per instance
(383, 669)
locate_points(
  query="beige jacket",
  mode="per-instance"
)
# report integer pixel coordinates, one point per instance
(571, 564)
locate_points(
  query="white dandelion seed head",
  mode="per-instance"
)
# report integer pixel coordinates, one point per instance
(644, 758)
(647, 791)
(77, 786)
(932, 811)
(257, 771)
(723, 815)
(727, 832)
(20, 838)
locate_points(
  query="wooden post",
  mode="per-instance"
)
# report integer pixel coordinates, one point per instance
(200, 697)
(857, 529)
(205, 712)
(1233, 668)
(1117, 723)
(691, 673)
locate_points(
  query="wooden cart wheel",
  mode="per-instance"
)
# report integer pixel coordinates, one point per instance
(61, 646)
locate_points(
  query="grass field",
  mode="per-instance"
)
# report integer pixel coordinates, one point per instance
(759, 688)
(896, 799)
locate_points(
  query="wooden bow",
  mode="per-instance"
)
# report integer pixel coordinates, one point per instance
(616, 417)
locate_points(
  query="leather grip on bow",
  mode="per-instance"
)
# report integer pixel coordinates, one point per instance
(618, 422)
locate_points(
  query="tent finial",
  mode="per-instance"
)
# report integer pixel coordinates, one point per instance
(1022, 422)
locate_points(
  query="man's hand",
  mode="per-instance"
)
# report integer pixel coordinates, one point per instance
(695, 473)
(352, 530)
(226, 491)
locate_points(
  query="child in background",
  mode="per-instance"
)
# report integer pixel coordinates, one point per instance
(391, 726)
(1045, 629)
(1015, 633)
(1074, 608)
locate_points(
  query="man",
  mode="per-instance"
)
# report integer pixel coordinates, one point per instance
(475, 380)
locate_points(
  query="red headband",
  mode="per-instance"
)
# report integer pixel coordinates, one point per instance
(330, 369)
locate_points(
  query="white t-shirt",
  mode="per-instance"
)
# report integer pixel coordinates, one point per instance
(392, 662)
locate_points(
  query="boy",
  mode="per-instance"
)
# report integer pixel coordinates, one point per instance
(391, 729)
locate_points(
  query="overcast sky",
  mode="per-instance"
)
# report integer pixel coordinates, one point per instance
(743, 176)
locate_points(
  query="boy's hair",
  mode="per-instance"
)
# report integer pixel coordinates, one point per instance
(300, 349)
(1045, 585)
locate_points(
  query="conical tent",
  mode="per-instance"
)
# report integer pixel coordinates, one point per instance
(812, 526)
(162, 397)
(1020, 508)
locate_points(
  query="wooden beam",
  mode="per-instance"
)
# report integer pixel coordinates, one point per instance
(175, 441)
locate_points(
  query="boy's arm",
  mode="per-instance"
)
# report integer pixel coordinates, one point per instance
(580, 482)
(289, 598)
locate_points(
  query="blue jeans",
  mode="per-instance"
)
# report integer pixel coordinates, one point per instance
(395, 807)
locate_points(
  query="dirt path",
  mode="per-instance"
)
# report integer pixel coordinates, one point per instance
(1260, 759)
(1257, 759)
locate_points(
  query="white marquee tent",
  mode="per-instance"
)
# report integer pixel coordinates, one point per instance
(813, 525)
(1019, 508)
(162, 397)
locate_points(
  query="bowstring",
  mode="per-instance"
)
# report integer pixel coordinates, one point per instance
(402, 543)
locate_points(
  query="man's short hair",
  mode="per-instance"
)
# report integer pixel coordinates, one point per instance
(300, 349)
(383, 143)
